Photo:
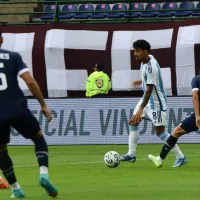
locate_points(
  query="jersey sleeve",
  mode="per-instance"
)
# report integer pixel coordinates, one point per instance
(195, 84)
(152, 74)
(21, 67)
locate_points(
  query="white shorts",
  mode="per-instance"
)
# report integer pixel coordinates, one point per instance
(157, 117)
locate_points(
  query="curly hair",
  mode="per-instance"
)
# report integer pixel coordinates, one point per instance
(142, 44)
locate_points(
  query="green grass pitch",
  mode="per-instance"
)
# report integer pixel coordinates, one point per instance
(79, 173)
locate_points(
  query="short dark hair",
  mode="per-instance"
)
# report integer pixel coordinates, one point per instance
(142, 44)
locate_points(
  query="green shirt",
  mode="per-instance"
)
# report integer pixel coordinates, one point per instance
(97, 83)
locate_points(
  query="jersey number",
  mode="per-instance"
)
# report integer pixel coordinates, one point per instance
(3, 80)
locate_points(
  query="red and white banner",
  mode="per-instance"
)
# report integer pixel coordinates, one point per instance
(61, 56)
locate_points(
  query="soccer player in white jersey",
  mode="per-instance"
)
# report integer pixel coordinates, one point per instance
(153, 104)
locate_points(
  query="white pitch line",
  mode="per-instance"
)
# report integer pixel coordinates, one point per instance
(73, 163)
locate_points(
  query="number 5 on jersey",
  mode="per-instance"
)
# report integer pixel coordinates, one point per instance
(3, 80)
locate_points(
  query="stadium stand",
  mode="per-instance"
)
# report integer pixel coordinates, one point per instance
(121, 8)
(197, 12)
(105, 8)
(137, 8)
(154, 8)
(72, 8)
(12, 11)
(185, 13)
(48, 11)
(170, 6)
(129, 10)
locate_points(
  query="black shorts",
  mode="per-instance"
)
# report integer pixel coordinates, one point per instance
(26, 124)
(189, 123)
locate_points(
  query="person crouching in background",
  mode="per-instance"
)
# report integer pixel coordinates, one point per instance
(98, 83)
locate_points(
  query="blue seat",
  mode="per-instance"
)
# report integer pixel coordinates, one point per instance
(72, 8)
(168, 6)
(86, 15)
(100, 15)
(136, 7)
(185, 5)
(197, 12)
(121, 7)
(153, 7)
(50, 8)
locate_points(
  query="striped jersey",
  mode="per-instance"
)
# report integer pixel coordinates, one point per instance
(151, 75)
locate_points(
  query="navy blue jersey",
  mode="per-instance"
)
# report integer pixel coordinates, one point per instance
(12, 100)
(196, 84)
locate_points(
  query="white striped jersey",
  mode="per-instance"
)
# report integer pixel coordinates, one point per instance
(151, 75)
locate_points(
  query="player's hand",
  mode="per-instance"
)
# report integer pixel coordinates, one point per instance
(47, 113)
(198, 122)
(137, 118)
(137, 83)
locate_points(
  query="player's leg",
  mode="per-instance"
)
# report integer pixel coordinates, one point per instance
(133, 139)
(132, 144)
(158, 118)
(28, 126)
(164, 135)
(6, 164)
(3, 183)
(41, 151)
(187, 125)
(167, 147)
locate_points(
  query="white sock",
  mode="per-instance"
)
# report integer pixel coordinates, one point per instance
(15, 186)
(160, 159)
(43, 170)
(133, 139)
(178, 153)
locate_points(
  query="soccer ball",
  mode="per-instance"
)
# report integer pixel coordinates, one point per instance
(112, 159)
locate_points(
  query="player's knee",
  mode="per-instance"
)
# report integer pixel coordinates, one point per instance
(37, 136)
(160, 130)
(177, 132)
(133, 128)
(3, 147)
(131, 123)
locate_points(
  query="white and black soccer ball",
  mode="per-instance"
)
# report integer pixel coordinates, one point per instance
(112, 159)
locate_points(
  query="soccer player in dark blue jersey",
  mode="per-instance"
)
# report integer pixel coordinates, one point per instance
(189, 124)
(14, 113)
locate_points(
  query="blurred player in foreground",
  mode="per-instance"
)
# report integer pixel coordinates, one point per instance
(3, 184)
(153, 104)
(189, 124)
(14, 113)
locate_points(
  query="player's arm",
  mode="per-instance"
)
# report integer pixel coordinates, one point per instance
(23, 71)
(137, 83)
(35, 89)
(138, 116)
(195, 98)
(147, 96)
(151, 82)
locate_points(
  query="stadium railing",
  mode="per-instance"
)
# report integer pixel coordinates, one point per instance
(61, 2)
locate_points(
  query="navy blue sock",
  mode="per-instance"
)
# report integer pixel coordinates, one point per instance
(6, 166)
(170, 143)
(41, 151)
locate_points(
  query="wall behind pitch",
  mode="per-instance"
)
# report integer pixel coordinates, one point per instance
(102, 121)
(56, 52)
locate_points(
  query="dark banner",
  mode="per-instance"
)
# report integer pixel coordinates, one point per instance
(174, 44)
